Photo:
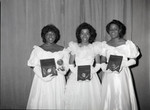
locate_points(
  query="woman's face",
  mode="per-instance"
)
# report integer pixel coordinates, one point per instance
(84, 35)
(50, 37)
(114, 31)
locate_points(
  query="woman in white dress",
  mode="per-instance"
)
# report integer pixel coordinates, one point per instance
(117, 87)
(83, 94)
(48, 92)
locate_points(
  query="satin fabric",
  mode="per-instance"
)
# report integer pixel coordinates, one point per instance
(46, 94)
(117, 88)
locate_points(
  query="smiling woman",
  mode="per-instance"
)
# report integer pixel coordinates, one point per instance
(22, 20)
(117, 91)
(85, 35)
(50, 37)
(83, 89)
(47, 91)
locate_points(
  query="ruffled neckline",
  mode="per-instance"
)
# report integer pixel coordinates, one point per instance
(118, 45)
(78, 47)
(84, 46)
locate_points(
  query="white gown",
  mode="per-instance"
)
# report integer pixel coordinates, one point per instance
(82, 95)
(117, 89)
(46, 94)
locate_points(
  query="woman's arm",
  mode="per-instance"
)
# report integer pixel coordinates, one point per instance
(129, 62)
(72, 62)
(97, 59)
(71, 59)
(103, 62)
(97, 65)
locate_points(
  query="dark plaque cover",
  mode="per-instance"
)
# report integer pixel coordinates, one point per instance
(84, 72)
(48, 66)
(114, 60)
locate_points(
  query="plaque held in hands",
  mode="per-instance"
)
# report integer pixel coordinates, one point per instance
(84, 72)
(114, 62)
(48, 66)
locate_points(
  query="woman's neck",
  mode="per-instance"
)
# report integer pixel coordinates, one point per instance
(116, 39)
(84, 43)
(50, 44)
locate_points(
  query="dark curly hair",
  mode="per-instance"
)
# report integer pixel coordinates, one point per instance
(121, 26)
(48, 28)
(92, 32)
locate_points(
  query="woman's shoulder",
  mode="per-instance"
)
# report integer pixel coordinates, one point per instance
(97, 43)
(73, 44)
(37, 48)
(53, 48)
(104, 44)
(133, 49)
(59, 47)
(114, 43)
(131, 44)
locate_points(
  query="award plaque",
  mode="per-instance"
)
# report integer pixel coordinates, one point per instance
(48, 66)
(114, 61)
(84, 72)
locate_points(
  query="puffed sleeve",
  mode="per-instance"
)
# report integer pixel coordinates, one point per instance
(66, 59)
(103, 48)
(97, 47)
(133, 50)
(72, 47)
(33, 60)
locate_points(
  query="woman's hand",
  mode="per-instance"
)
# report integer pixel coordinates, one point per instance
(48, 77)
